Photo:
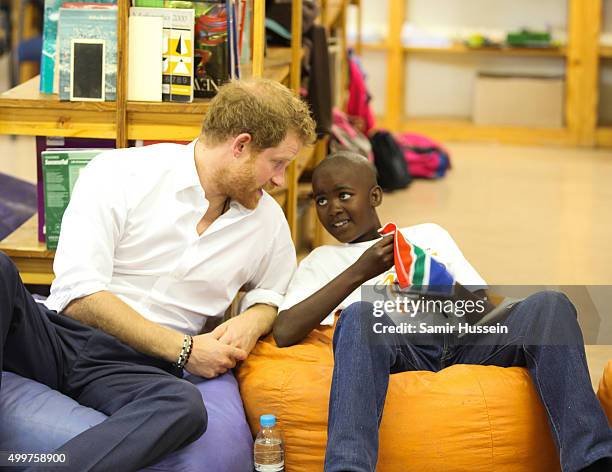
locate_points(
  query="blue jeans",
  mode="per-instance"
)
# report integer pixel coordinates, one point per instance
(361, 376)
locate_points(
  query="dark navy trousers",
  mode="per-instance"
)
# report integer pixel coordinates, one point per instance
(152, 410)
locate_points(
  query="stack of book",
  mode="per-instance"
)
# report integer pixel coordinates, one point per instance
(177, 49)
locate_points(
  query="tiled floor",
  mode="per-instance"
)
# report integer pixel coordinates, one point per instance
(520, 215)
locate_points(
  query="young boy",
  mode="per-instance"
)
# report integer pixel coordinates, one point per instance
(346, 196)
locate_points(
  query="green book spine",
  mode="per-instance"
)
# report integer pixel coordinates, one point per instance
(57, 194)
(61, 170)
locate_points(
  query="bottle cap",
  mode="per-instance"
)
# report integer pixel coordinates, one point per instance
(267, 421)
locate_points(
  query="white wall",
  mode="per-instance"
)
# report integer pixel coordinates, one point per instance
(503, 14)
(375, 15)
(375, 65)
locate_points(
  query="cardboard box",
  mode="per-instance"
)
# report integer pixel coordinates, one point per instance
(519, 101)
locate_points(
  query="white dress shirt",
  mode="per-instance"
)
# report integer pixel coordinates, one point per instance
(130, 228)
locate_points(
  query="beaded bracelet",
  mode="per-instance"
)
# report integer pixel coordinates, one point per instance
(185, 351)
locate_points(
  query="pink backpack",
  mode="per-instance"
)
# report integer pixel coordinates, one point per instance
(345, 137)
(424, 157)
(359, 99)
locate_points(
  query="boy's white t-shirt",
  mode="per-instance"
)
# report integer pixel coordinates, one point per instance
(325, 263)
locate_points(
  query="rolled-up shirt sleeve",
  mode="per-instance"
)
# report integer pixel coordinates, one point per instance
(91, 228)
(269, 284)
(304, 283)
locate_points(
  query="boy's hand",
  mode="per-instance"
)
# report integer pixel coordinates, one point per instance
(376, 260)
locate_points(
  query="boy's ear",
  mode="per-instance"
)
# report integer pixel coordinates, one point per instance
(376, 196)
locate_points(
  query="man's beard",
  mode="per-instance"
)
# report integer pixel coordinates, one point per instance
(240, 184)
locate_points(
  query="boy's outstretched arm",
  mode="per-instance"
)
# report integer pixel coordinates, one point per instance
(294, 324)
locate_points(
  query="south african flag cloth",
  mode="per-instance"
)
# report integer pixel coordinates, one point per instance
(413, 266)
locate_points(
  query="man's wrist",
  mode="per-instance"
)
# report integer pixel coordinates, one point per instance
(174, 347)
(183, 357)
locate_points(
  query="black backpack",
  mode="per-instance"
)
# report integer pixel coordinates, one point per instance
(390, 163)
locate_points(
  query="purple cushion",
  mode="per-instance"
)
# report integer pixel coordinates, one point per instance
(34, 418)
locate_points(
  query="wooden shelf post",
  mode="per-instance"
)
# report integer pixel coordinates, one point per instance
(395, 65)
(344, 69)
(259, 36)
(291, 205)
(358, 42)
(583, 70)
(122, 72)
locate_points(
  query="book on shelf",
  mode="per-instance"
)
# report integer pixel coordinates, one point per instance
(245, 34)
(145, 67)
(211, 55)
(93, 26)
(219, 30)
(49, 61)
(178, 50)
(44, 143)
(61, 169)
(234, 57)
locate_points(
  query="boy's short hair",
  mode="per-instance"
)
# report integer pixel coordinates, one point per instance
(265, 109)
(345, 157)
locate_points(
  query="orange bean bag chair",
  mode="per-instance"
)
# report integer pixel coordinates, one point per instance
(604, 393)
(463, 418)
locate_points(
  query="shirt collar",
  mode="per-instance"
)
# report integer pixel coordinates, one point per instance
(242, 209)
(185, 172)
(186, 176)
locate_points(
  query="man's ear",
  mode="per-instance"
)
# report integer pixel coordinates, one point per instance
(376, 196)
(240, 143)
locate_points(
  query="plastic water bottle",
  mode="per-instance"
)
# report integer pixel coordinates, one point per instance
(269, 451)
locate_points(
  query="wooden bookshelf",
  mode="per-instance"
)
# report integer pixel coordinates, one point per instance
(504, 51)
(605, 52)
(460, 49)
(445, 129)
(34, 261)
(604, 136)
(583, 54)
(331, 12)
(25, 111)
(332, 16)
(382, 46)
